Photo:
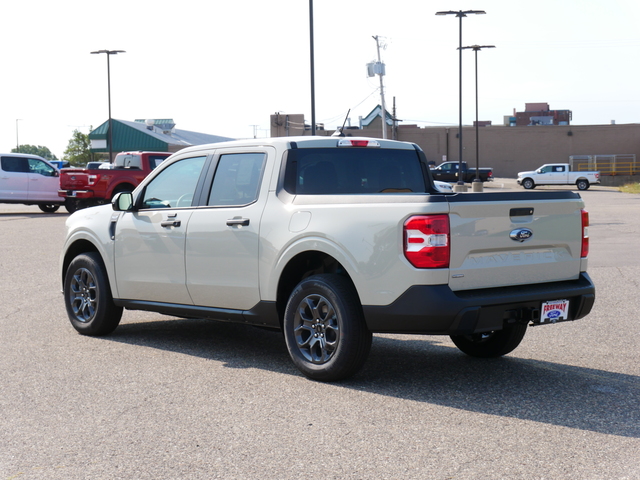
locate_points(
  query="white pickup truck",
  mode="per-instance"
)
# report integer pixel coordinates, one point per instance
(557, 174)
(330, 240)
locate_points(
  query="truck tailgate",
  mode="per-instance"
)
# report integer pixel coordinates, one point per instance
(514, 239)
(74, 179)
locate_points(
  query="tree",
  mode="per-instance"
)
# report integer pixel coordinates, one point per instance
(41, 151)
(77, 152)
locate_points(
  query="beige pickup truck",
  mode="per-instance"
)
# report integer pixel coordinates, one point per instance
(330, 240)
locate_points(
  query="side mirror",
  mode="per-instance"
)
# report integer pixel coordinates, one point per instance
(122, 202)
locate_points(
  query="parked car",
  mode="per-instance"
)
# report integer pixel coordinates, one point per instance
(29, 180)
(97, 184)
(448, 172)
(330, 240)
(59, 163)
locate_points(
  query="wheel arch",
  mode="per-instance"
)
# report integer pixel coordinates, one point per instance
(585, 180)
(301, 266)
(76, 248)
(527, 178)
(84, 245)
(123, 186)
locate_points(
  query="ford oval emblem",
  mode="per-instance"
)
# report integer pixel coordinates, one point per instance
(521, 234)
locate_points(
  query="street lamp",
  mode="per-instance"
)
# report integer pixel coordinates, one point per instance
(460, 14)
(312, 61)
(17, 141)
(477, 183)
(109, 134)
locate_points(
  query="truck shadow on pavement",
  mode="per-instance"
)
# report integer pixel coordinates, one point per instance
(425, 369)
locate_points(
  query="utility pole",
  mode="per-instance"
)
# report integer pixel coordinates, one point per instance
(380, 74)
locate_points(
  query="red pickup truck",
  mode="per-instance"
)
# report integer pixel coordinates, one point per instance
(86, 187)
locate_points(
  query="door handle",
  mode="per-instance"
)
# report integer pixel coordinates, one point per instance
(241, 222)
(170, 223)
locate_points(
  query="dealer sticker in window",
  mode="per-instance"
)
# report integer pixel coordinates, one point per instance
(554, 311)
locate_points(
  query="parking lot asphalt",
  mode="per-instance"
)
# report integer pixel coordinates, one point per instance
(168, 398)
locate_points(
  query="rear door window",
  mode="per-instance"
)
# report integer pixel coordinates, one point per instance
(15, 164)
(237, 179)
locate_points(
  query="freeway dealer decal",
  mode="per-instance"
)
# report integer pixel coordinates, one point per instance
(554, 311)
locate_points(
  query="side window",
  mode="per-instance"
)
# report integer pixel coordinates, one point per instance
(38, 166)
(14, 164)
(237, 179)
(175, 186)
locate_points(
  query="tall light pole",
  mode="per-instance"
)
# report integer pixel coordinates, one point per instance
(109, 132)
(477, 183)
(313, 86)
(17, 141)
(460, 14)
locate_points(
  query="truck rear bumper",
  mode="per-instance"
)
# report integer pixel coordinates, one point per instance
(75, 193)
(437, 310)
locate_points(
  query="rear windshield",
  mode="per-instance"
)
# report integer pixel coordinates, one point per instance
(330, 171)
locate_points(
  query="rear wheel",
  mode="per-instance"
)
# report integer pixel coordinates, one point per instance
(324, 328)
(73, 204)
(491, 344)
(529, 184)
(87, 296)
(49, 208)
(582, 184)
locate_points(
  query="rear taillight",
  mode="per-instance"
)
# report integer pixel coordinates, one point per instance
(93, 179)
(584, 251)
(426, 241)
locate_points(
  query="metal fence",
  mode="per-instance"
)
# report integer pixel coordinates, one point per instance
(624, 164)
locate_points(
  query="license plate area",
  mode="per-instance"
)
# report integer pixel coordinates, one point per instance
(554, 311)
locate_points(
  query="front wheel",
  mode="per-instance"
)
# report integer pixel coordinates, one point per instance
(324, 328)
(49, 208)
(582, 184)
(87, 296)
(491, 344)
(528, 184)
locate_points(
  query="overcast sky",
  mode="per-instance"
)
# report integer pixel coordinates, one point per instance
(221, 67)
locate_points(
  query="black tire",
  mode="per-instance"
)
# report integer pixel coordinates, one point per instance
(491, 344)
(49, 208)
(71, 204)
(87, 296)
(582, 184)
(324, 328)
(529, 184)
